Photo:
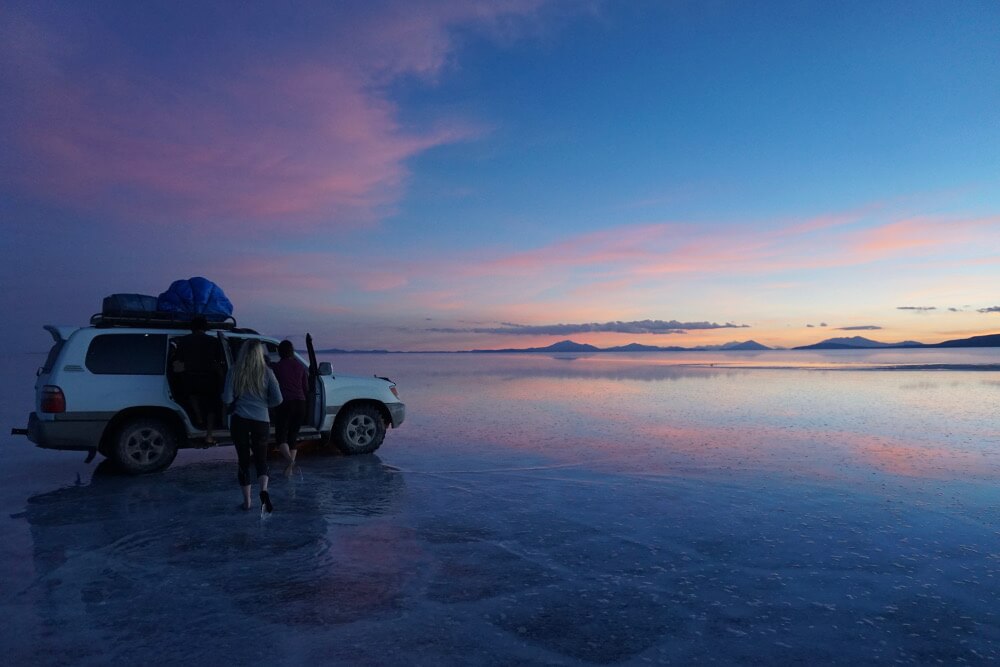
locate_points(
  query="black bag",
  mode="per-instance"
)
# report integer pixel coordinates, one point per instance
(129, 305)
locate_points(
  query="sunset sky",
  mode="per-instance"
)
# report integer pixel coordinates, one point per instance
(443, 175)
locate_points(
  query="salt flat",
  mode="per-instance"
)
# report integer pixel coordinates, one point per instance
(539, 510)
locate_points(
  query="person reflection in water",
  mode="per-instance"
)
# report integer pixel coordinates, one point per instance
(251, 389)
(294, 382)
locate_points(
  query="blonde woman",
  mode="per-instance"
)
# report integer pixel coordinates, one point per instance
(250, 390)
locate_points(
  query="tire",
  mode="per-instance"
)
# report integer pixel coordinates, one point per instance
(144, 444)
(359, 429)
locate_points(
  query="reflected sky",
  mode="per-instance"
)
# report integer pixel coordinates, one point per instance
(660, 414)
(539, 510)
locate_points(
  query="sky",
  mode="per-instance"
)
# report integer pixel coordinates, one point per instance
(454, 174)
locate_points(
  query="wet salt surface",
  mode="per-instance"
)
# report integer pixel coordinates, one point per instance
(535, 510)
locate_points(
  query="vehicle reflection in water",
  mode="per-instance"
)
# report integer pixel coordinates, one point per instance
(140, 558)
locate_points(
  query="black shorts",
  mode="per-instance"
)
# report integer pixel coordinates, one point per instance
(288, 420)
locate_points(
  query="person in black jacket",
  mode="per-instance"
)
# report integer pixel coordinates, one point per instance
(198, 365)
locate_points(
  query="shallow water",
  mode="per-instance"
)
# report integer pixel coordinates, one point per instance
(773, 508)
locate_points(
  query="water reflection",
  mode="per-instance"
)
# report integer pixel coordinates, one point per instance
(549, 511)
(141, 559)
(936, 358)
(629, 413)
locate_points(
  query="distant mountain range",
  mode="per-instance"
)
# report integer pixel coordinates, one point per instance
(859, 342)
(572, 346)
(845, 343)
(854, 342)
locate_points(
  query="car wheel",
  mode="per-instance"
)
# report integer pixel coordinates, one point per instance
(144, 445)
(359, 429)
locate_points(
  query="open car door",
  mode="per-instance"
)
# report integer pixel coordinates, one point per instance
(315, 400)
(227, 354)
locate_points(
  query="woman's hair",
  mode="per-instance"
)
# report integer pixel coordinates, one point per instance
(285, 349)
(250, 371)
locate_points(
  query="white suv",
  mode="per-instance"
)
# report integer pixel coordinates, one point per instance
(106, 388)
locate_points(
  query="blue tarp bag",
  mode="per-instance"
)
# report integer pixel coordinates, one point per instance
(195, 296)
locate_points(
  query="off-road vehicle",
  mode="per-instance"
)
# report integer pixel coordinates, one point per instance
(108, 388)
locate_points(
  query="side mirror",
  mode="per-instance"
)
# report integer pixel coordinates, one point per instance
(325, 368)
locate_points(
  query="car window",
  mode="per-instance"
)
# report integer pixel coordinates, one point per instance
(127, 354)
(235, 344)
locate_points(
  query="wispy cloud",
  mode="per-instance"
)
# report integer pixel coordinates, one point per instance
(991, 309)
(625, 256)
(636, 327)
(862, 327)
(285, 133)
(920, 309)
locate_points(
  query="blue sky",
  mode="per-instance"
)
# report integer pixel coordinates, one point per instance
(383, 172)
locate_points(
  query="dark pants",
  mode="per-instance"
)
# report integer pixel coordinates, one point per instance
(288, 420)
(205, 408)
(249, 436)
(203, 391)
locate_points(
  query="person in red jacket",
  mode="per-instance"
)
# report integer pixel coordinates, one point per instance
(293, 378)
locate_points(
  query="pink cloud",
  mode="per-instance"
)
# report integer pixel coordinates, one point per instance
(923, 235)
(832, 241)
(298, 134)
(580, 276)
(306, 277)
(337, 149)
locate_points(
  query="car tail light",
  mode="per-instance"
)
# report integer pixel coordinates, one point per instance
(53, 399)
(393, 390)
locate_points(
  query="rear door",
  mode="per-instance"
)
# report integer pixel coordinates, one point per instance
(316, 396)
(228, 355)
(59, 337)
(58, 340)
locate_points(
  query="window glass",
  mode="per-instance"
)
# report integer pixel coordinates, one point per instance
(234, 346)
(127, 354)
(270, 349)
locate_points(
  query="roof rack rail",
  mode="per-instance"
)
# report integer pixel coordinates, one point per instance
(159, 320)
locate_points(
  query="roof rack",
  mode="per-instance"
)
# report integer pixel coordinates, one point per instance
(161, 320)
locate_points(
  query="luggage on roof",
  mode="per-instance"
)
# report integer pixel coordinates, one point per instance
(129, 305)
(175, 308)
(196, 296)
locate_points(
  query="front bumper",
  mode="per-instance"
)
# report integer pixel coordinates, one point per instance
(66, 433)
(397, 413)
